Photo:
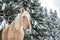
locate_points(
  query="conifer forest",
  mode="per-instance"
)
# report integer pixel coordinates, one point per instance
(45, 24)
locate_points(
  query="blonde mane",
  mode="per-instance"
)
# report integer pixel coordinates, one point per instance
(17, 19)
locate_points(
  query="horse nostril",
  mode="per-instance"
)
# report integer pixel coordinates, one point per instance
(28, 26)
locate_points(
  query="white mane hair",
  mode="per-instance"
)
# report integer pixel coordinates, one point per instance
(17, 21)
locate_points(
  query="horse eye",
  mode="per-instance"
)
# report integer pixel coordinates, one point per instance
(23, 16)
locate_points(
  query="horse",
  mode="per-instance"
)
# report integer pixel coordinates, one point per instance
(15, 31)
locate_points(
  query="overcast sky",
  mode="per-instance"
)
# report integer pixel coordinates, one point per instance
(52, 4)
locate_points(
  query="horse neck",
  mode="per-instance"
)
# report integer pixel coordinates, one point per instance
(18, 25)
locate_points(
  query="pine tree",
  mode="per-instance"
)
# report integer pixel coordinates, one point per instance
(45, 12)
(38, 28)
(55, 14)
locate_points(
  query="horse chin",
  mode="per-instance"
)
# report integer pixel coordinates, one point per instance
(29, 30)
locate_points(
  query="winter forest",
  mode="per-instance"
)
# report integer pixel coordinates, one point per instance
(45, 24)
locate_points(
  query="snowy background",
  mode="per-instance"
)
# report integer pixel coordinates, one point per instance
(45, 17)
(51, 4)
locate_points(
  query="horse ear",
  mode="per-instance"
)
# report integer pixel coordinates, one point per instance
(22, 10)
(28, 10)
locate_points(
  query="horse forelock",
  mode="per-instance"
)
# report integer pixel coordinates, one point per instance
(26, 14)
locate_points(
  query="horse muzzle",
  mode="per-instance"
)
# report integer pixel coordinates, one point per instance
(28, 31)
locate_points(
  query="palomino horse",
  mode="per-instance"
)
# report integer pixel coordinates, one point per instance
(14, 31)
